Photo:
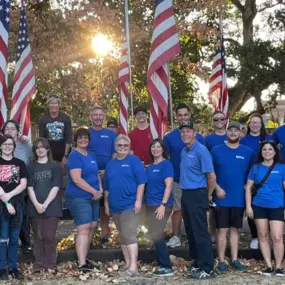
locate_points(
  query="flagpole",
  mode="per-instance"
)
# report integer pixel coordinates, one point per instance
(129, 57)
(170, 98)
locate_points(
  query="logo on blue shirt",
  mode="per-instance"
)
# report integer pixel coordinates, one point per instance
(275, 171)
(190, 155)
(93, 161)
(125, 165)
(156, 170)
(103, 136)
(239, 157)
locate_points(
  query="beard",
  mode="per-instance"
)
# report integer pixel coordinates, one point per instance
(233, 140)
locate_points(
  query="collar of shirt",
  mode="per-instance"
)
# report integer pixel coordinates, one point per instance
(192, 147)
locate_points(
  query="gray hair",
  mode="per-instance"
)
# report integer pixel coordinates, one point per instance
(123, 137)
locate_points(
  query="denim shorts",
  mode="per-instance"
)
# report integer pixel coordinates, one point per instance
(84, 211)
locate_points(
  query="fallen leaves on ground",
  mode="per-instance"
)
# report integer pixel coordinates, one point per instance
(111, 271)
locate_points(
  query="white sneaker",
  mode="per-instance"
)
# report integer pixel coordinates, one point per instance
(173, 242)
(254, 243)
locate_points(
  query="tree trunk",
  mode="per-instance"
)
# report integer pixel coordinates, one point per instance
(239, 94)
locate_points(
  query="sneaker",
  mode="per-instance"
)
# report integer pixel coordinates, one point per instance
(3, 274)
(267, 272)
(236, 265)
(163, 272)
(16, 274)
(90, 264)
(201, 274)
(173, 242)
(83, 268)
(254, 243)
(279, 272)
(104, 240)
(213, 239)
(192, 269)
(222, 268)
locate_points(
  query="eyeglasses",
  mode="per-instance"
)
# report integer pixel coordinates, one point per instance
(8, 144)
(83, 138)
(255, 123)
(218, 119)
(123, 145)
(10, 129)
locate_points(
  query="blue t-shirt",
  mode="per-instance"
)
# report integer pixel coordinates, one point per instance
(196, 162)
(253, 142)
(121, 180)
(102, 146)
(213, 140)
(231, 168)
(271, 194)
(155, 188)
(174, 145)
(279, 137)
(89, 173)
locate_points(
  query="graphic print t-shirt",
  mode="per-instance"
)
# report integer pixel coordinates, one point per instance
(43, 177)
(58, 131)
(11, 172)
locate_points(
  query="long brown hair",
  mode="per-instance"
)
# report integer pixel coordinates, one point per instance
(263, 133)
(45, 144)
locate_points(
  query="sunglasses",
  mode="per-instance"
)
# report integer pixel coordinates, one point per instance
(123, 145)
(219, 119)
(268, 141)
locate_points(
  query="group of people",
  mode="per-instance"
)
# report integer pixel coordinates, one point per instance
(120, 176)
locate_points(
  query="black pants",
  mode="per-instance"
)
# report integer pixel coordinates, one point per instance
(25, 228)
(252, 227)
(194, 205)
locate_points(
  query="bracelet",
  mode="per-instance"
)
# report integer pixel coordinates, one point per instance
(7, 203)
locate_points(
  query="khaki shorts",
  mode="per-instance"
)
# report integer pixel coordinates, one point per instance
(177, 195)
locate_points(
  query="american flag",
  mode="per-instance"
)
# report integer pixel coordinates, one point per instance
(218, 92)
(124, 78)
(4, 30)
(164, 46)
(24, 78)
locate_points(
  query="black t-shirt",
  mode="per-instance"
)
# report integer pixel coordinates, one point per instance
(43, 177)
(58, 131)
(11, 173)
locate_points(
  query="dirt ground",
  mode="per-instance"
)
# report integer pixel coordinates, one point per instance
(233, 279)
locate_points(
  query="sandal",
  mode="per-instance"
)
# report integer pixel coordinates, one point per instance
(129, 273)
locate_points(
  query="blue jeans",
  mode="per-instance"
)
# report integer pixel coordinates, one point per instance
(9, 238)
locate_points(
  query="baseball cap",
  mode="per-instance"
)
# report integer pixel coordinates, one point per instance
(112, 122)
(187, 124)
(234, 124)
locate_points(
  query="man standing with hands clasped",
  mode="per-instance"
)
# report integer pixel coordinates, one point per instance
(196, 175)
(232, 162)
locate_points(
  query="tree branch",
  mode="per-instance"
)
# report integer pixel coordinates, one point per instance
(238, 5)
(270, 6)
(232, 41)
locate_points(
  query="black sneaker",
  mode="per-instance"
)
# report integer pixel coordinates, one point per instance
(279, 272)
(90, 264)
(202, 275)
(268, 271)
(16, 274)
(83, 268)
(27, 249)
(3, 274)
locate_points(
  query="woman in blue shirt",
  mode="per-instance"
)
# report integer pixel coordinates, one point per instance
(256, 133)
(83, 192)
(124, 182)
(159, 202)
(267, 206)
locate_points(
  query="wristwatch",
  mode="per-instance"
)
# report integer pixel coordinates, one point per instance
(163, 204)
